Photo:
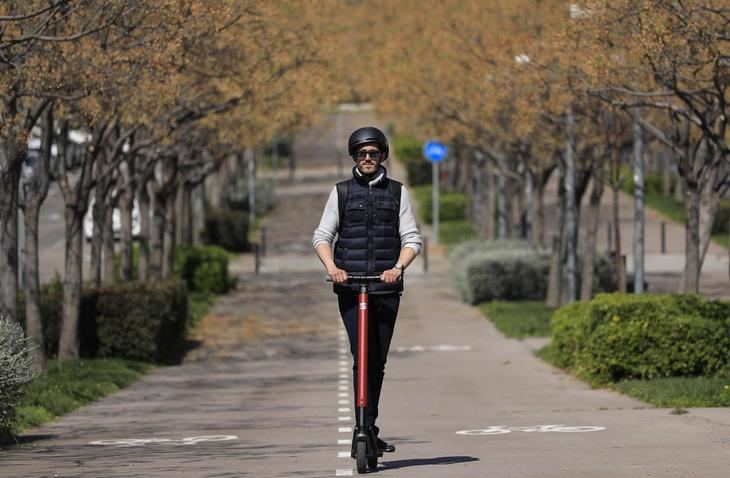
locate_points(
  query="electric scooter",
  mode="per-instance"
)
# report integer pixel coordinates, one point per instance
(365, 446)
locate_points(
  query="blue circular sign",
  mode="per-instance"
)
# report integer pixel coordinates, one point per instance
(435, 151)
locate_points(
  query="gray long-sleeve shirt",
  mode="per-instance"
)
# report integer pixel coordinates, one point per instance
(328, 225)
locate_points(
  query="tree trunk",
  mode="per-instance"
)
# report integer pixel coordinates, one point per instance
(571, 215)
(589, 251)
(98, 212)
(692, 242)
(638, 209)
(488, 225)
(517, 209)
(68, 346)
(180, 214)
(477, 194)
(666, 174)
(108, 245)
(33, 323)
(168, 247)
(9, 177)
(709, 204)
(679, 189)
(31, 213)
(539, 212)
(529, 209)
(145, 232)
(618, 252)
(157, 230)
(555, 276)
(126, 204)
(501, 204)
(184, 214)
(198, 213)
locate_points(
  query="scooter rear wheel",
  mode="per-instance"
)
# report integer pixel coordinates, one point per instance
(361, 456)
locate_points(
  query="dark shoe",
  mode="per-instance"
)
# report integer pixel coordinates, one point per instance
(385, 447)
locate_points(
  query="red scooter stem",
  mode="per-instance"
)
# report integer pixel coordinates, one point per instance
(362, 347)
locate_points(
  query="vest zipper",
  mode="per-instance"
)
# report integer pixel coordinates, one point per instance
(371, 264)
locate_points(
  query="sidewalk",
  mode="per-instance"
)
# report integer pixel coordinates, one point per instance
(267, 393)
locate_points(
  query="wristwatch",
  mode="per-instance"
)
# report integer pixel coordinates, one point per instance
(399, 266)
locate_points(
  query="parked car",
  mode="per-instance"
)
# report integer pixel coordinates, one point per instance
(116, 221)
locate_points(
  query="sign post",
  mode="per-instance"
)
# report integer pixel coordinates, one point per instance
(435, 152)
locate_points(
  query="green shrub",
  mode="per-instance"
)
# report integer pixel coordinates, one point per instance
(136, 321)
(722, 218)
(620, 336)
(203, 269)
(15, 372)
(452, 206)
(512, 270)
(227, 228)
(51, 314)
(653, 182)
(409, 151)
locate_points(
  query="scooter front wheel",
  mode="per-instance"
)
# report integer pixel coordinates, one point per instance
(361, 458)
(372, 462)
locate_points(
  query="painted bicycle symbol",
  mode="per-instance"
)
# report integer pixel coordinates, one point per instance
(503, 429)
(129, 442)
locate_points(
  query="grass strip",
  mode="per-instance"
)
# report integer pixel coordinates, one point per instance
(199, 303)
(669, 392)
(66, 385)
(519, 319)
(679, 392)
(677, 212)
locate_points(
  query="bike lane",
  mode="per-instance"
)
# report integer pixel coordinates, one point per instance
(451, 371)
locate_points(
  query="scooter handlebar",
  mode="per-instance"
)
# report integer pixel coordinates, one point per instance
(357, 278)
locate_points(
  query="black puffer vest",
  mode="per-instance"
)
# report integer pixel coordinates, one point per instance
(369, 237)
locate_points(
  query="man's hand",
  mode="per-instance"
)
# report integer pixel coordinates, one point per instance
(391, 275)
(338, 275)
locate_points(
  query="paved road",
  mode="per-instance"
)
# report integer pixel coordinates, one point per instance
(270, 381)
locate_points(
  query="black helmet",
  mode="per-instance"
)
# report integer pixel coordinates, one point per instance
(368, 135)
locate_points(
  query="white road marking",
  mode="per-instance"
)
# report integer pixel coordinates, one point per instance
(343, 394)
(343, 410)
(340, 472)
(344, 419)
(435, 348)
(345, 429)
(343, 402)
(343, 363)
(504, 429)
(343, 388)
(343, 350)
(343, 454)
(343, 369)
(344, 441)
(128, 442)
(343, 381)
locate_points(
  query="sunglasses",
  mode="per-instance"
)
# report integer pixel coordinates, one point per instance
(360, 155)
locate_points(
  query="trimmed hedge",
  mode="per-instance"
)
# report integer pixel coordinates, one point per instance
(452, 205)
(201, 270)
(204, 269)
(145, 317)
(135, 321)
(227, 228)
(623, 336)
(512, 270)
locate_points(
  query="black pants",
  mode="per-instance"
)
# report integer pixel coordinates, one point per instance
(382, 312)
